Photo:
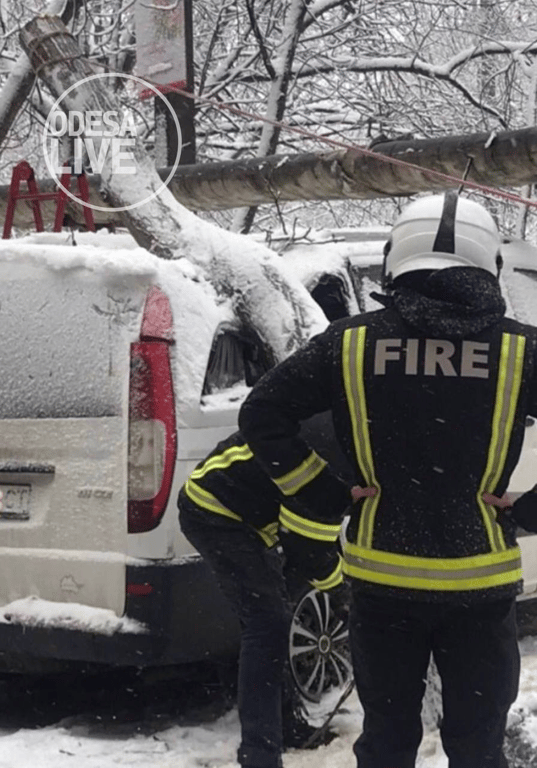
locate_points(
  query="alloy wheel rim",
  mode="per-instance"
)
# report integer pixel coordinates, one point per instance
(318, 647)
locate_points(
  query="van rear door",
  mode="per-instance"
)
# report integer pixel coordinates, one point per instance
(64, 361)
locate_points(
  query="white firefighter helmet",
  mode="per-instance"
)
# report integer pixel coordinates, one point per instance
(442, 231)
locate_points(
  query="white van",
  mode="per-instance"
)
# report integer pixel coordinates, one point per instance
(104, 353)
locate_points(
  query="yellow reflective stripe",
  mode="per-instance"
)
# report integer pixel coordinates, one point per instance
(353, 377)
(204, 499)
(308, 528)
(335, 578)
(507, 390)
(223, 460)
(293, 481)
(269, 533)
(445, 574)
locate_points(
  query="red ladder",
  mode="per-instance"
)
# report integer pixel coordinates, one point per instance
(24, 172)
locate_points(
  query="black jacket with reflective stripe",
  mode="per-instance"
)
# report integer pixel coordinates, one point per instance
(230, 485)
(432, 421)
(235, 479)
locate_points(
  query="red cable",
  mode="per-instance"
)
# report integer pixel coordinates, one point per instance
(456, 180)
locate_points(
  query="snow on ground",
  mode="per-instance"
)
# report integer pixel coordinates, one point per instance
(73, 743)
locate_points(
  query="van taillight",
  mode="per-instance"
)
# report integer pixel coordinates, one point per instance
(152, 428)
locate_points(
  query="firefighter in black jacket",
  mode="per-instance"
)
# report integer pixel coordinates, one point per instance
(229, 509)
(429, 398)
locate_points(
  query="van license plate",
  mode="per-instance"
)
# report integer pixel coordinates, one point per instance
(15, 502)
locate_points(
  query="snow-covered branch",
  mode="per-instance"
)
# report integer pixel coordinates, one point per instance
(277, 99)
(412, 64)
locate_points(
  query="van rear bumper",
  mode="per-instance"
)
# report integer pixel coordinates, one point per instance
(186, 616)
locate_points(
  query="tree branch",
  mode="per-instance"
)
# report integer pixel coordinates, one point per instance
(410, 64)
(260, 41)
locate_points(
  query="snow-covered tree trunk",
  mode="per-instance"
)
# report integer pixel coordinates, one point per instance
(280, 310)
(507, 158)
(502, 159)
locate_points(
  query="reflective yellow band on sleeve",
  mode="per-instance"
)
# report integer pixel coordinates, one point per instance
(442, 574)
(223, 460)
(269, 534)
(335, 578)
(309, 528)
(204, 499)
(293, 481)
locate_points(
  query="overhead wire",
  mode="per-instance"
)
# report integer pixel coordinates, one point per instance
(456, 181)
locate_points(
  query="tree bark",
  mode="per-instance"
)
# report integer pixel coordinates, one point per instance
(503, 159)
(252, 279)
(21, 79)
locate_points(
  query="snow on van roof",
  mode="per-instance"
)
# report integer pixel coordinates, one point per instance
(310, 261)
(197, 309)
(97, 252)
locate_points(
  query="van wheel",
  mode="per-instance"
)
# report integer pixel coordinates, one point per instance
(319, 651)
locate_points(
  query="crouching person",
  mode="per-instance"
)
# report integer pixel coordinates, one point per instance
(229, 510)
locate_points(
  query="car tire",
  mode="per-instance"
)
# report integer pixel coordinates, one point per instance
(319, 653)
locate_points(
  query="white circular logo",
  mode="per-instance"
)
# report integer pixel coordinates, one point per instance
(99, 137)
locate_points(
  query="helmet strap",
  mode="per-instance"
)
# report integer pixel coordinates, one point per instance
(499, 264)
(386, 278)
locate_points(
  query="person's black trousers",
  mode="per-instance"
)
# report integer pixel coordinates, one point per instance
(476, 652)
(250, 576)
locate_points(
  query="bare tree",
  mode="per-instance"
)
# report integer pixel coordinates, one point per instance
(105, 30)
(21, 78)
(280, 73)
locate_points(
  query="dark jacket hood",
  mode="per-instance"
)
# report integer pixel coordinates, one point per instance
(454, 302)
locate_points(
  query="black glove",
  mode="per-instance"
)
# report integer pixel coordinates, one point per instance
(524, 510)
(340, 601)
(306, 560)
(295, 581)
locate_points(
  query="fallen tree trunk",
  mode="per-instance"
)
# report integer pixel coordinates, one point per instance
(503, 159)
(251, 278)
(507, 159)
